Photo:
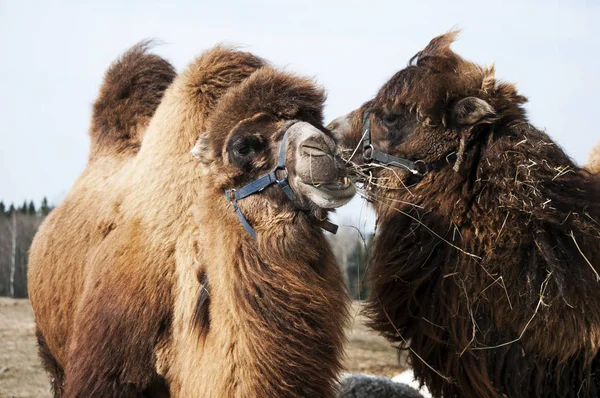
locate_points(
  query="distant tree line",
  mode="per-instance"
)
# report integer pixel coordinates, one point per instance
(18, 225)
(351, 250)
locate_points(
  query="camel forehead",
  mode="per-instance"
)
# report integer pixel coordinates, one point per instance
(274, 92)
(435, 76)
(423, 88)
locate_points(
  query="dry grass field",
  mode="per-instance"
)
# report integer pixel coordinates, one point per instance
(21, 374)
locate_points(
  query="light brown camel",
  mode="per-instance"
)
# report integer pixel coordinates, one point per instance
(144, 282)
(485, 266)
(593, 163)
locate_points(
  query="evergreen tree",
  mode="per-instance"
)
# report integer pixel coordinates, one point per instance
(357, 267)
(2, 209)
(31, 208)
(23, 209)
(11, 209)
(44, 209)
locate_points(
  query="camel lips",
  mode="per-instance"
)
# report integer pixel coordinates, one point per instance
(345, 181)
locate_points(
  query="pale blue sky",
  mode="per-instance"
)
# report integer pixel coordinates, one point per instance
(54, 56)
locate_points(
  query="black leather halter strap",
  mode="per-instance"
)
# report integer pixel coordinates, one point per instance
(372, 155)
(258, 185)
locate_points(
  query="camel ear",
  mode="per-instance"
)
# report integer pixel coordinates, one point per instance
(201, 150)
(471, 111)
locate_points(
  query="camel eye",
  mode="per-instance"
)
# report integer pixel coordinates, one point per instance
(389, 118)
(248, 145)
(244, 150)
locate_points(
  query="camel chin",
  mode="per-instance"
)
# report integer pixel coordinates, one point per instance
(328, 195)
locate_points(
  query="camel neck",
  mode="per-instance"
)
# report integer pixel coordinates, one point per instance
(277, 310)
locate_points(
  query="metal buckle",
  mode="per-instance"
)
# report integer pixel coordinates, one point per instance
(284, 178)
(420, 171)
(231, 194)
(368, 156)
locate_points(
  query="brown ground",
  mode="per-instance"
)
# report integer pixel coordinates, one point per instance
(21, 374)
(367, 352)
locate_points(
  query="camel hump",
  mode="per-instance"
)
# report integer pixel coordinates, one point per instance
(216, 71)
(132, 89)
(593, 163)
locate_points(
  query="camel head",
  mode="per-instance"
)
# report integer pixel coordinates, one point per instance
(427, 117)
(269, 128)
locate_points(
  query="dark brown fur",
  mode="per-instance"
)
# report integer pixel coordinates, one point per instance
(201, 318)
(480, 269)
(49, 363)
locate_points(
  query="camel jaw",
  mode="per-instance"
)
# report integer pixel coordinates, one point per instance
(328, 195)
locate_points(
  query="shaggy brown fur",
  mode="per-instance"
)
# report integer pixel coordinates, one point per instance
(118, 271)
(132, 89)
(593, 163)
(486, 269)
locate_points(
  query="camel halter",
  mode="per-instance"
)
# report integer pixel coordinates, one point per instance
(372, 155)
(258, 185)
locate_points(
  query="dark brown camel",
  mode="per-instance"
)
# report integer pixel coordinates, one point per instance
(486, 258)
